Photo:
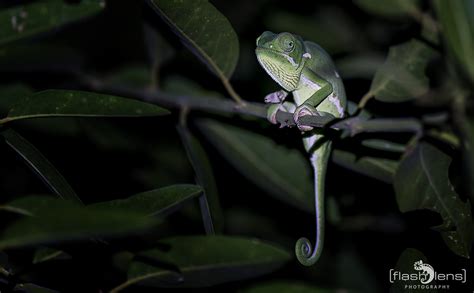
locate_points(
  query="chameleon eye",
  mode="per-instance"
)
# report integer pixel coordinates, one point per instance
(288, 45)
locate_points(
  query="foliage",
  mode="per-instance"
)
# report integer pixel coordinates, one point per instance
(158, 172)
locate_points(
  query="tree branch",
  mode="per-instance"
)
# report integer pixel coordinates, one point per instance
(351, 125)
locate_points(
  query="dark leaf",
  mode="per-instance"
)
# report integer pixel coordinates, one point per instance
(204, 30)
(457, 23)
(155, 202)
(54, 220)
(384, 145)
(32, 288)
(389, 8)
(224, 258)
(378, 168)
(422, 182)
(209, 202)
(38, 163)
(43, 254)
(10, 95)
(26, 20)
(402, 76)
(54, 103)
(287, 287)
(282, 172)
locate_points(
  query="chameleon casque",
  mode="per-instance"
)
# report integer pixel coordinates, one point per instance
(308, 72)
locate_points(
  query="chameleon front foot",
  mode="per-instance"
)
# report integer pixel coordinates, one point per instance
(304, 110)
(276, 97)
(274, 108)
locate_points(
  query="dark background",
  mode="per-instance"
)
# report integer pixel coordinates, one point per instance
(105, 159)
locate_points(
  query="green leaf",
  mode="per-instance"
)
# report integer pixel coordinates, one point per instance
(32, 288)
(384, 145)
(401, 78)
(422, 182)
(196, 258)
(389, 8)
(55, 220)
(137, 76)
(363, 65)
(155, 202)
(207, 32)
(26, 20)
(40, 164)
(282, 172)
(457, 23)
(246, 222)
(11, 94)
(405, 265)
(377, 168)
(43, 254)
(54, 103)
(210, 207)
(179, 85)
(285, 286)
(468, 155)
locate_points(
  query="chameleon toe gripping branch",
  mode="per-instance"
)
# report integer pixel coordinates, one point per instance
(308, 72)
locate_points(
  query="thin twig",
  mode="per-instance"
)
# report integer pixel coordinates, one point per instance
(369, 95)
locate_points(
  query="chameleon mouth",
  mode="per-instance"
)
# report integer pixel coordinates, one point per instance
(288, 79)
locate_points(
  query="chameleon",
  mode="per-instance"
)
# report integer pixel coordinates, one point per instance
(306, 70)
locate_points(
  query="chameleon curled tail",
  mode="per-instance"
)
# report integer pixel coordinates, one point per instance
(305, 253)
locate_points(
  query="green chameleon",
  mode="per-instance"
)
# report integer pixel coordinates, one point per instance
(308, 72)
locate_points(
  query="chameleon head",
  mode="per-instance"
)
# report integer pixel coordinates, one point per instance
(282, 56)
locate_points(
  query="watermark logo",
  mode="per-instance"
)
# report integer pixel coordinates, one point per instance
(425, 274)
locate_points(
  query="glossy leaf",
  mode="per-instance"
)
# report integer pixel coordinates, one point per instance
(287, 287)
(422, 182)
(282, 172)
(378, 168)
(206, 32)
(54, 103)
(23, 21)
(389, 8)
(457, 23)
(40, 165)
(210, 207)
(155, 202)
(402, 76)
(13, 93)
(55, 220)
(224, 258)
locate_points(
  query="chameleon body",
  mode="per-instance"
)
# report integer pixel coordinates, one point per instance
(308, 72)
